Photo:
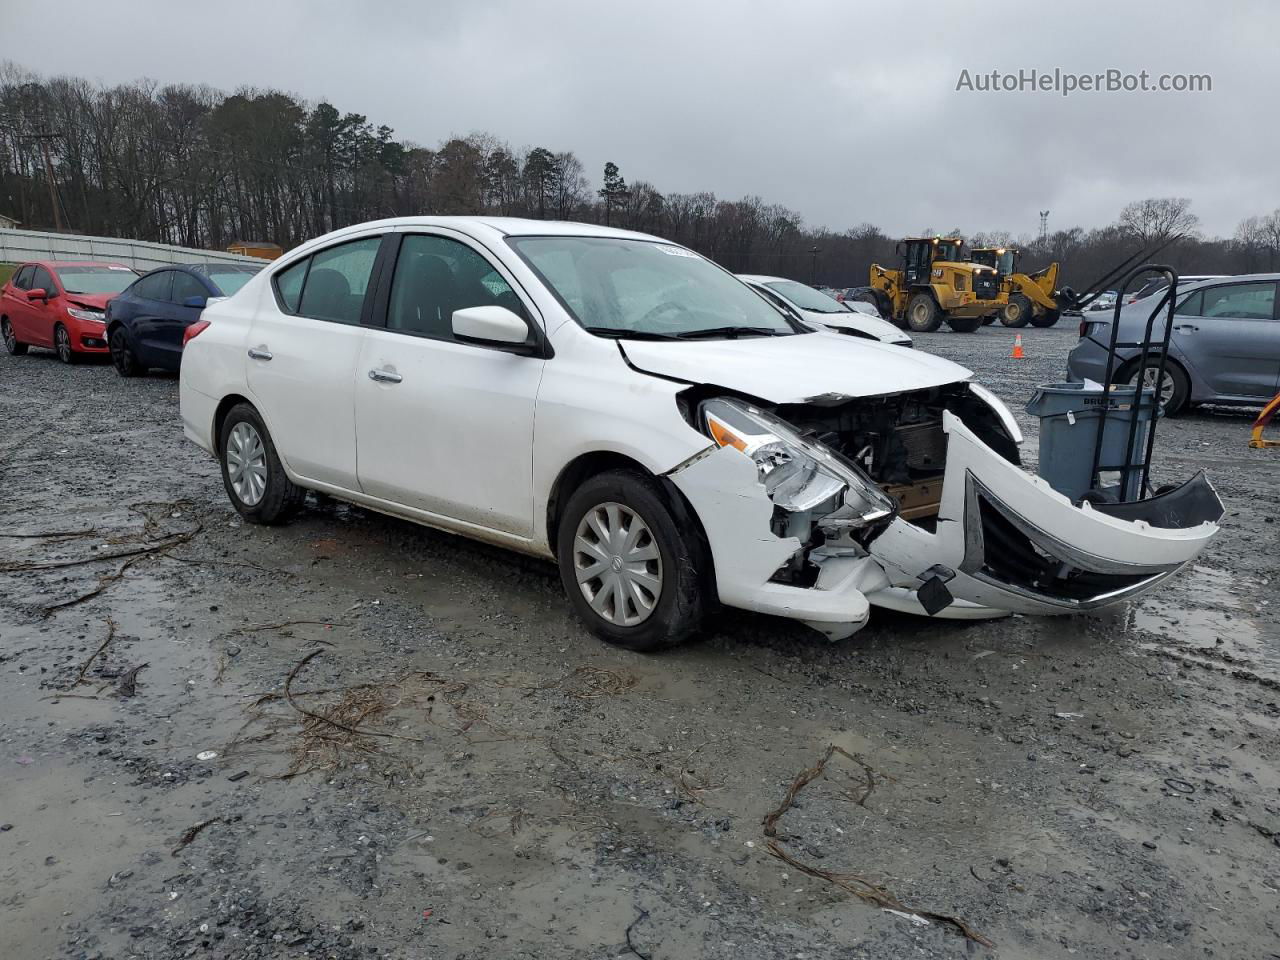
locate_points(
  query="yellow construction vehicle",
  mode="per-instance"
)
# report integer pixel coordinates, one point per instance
(1026, 297)
(934, 284)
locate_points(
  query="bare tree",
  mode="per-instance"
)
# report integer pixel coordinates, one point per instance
(1159, 219)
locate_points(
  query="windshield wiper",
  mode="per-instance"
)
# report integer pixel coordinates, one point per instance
(731, 333)
(624, 333)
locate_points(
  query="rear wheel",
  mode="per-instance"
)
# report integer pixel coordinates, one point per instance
(964, 324)
(1046, 319)
(923, 315)
(62, 344)
(1017, 312)
(632, 574)
(252, 473)
(1174, 389)
(122, 356)
(11, 344)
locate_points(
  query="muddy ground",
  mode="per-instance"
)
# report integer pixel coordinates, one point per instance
(1081, 787)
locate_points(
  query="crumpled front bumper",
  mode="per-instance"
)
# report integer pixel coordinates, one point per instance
(1004, 541)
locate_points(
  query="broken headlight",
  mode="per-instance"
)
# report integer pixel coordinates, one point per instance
(797, 474)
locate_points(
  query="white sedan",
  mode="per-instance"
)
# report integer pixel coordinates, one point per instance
(816, 307)
(624, 407)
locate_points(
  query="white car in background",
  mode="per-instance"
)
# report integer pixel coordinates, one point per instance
(627, 409)
(814, 306)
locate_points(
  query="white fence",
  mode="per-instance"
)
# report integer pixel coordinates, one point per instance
(19, 245)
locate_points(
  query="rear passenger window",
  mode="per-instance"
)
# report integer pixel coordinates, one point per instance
(155, 286)
(22, 279)
(336, 283)
(1246, 301)
(436, 276)
(1191, 306)
(289, 284)
(185, 286)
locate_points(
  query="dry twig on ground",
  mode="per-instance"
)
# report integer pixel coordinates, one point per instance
(84, 667)
(191, 833)
(860, 887)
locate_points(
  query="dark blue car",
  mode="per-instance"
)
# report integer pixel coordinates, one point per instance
(146, 321)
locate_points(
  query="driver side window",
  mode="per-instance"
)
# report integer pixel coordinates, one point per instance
(435, 276)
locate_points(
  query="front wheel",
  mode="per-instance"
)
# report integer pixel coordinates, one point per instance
(252, 473)
(1046, 319)
(632, 573)
(1017, 312)
(122, 356)
(964, 324)
(923, 315)
(11, 344)
(62, 344)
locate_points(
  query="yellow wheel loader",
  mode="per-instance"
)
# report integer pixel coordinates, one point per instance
(934, 284)
(1027, 297)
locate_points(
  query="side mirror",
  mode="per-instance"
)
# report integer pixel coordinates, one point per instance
(39, 293)
(491, 325)
(198, 302)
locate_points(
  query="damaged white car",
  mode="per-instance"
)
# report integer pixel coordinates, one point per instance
(628, 409)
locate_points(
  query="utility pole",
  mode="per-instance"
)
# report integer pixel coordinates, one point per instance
(813, 272)
(44, 139)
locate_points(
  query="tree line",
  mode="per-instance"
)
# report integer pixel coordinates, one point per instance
(193, 166)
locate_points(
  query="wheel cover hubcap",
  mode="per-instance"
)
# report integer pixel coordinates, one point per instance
(64, 343)
(617, 564)
(118, 351)
(9, 338)
(1149, 375)
(247, 463)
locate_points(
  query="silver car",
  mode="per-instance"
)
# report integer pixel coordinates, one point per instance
(1225, 346)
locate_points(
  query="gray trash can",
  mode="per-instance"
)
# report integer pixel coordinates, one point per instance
(1070, 417)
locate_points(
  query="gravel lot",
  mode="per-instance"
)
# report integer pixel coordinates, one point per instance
(1081, 787)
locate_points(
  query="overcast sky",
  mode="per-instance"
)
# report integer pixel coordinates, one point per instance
(844, 110)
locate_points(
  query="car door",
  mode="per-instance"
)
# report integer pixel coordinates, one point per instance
(42, 315)
(16, 306)
(152, 303)
(1227, 332)
(441, 425)
(303, 348)
(179, 315)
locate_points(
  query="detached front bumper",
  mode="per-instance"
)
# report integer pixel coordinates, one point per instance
(1004, 541)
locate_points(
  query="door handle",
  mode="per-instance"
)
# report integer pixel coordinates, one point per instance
(256, 354)
(385, 376)
(1186, 328)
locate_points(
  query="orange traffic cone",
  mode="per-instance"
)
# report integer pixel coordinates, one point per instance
(1017, 353)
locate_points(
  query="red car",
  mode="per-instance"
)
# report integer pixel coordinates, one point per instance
(60, 304)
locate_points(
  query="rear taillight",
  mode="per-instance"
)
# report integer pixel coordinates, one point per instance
(194, 331)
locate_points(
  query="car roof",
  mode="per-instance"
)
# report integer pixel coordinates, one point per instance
(61, 264)
(757, 278)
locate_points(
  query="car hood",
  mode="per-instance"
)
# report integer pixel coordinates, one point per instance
(796, 368)
(882, 330)
(94, 301)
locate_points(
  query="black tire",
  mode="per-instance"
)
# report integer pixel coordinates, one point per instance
(1046, 319)
(923, 315)
(877, 298)
(122, 356)
(1177, 401)
(62, 344)
(682, 598)
(281, 498)
(11, 344)
(964, 324)
(1017, 311)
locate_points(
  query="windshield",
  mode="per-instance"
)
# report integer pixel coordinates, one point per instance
(806, 298)
(96, 279)
(617, 287)
(229, 281)
(945, 250)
